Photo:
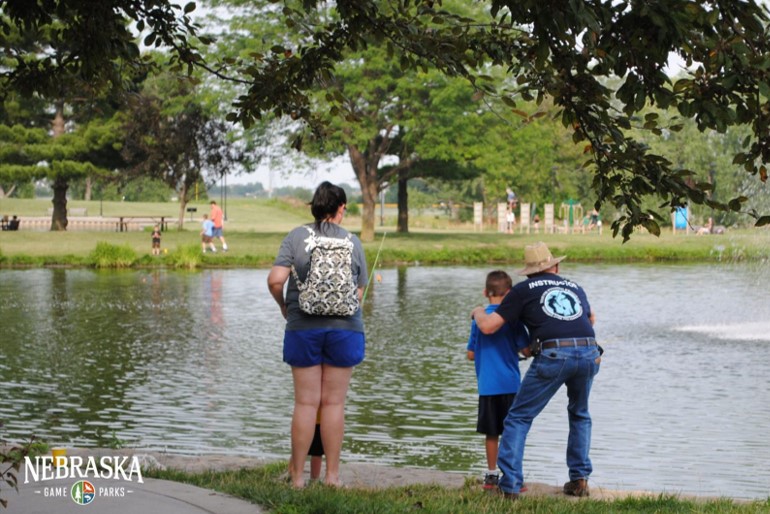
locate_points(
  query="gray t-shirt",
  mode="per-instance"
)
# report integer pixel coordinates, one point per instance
(292, 252)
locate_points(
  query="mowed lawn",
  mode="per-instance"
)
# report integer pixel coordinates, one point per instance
(254, 230)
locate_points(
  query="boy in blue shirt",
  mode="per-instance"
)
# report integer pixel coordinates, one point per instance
(207, 234)
(496, 357)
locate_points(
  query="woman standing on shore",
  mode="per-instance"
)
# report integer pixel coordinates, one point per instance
(321, 349)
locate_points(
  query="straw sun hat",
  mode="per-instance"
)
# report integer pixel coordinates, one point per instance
(537, 257)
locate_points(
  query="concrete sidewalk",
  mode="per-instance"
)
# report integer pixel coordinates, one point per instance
(115, 497)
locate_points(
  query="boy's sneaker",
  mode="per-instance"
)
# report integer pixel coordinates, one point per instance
(490, 481)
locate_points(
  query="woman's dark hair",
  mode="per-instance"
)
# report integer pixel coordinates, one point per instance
(326, 201)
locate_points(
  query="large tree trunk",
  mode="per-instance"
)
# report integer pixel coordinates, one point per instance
(89, 189)
(7, 194)
(369, 193)
(367, 178)
(366, 167)
(403, 203)
(183, 193)
(60, 184)
(59, 217)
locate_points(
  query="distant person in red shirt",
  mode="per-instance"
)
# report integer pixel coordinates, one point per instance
(218, 218)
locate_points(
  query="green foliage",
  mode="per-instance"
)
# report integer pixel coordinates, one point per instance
(106, 255)
(294, 193)
(115, 442)
(185, 257)
(252, 189)
(142, 189)
(93, 42)
(601, 63)
(171, 137)
(89, 148)
(11, 459)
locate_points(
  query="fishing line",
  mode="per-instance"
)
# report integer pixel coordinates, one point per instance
(371, 273)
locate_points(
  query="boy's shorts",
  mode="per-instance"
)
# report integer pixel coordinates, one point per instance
(317, 446)
(492, 412)
(340, 348)
(206, 239)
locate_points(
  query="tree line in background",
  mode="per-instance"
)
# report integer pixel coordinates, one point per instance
(460, 99)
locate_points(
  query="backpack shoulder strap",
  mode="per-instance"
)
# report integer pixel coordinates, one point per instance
(310, 243)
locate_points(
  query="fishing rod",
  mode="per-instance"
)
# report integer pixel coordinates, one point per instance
(371, 273)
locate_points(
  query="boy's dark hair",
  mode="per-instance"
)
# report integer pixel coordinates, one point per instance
(326, 200)
(498, 283)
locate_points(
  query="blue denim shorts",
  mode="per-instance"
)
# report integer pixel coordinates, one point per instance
(340, 348)
(216, 232)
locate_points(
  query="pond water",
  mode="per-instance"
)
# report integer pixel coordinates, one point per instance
(191, 363)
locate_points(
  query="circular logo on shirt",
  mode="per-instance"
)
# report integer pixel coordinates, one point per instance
(561, 304)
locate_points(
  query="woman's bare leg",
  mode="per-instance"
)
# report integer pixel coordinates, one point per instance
(334, 390)
(307, 398)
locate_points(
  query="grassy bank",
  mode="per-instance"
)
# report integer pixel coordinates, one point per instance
(254, 231)
(265, 487)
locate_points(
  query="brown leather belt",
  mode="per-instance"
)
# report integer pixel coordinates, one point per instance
(568, 343)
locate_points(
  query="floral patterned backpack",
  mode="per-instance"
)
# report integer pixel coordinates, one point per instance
(329, 288)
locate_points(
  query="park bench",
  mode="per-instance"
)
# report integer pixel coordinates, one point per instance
(100, 224)
(125, 223)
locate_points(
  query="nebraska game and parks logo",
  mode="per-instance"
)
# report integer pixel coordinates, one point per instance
(105, 477)
(83, 492)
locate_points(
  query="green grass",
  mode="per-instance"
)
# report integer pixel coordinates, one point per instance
(185, 257)
(106, 255)
(255, 229)
(265, 487)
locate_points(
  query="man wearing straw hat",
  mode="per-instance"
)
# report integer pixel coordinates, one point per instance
(560, 323)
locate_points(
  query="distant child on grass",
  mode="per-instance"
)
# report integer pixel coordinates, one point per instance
(316, 450)
(496, 357)
(156, 240)
(207, 234)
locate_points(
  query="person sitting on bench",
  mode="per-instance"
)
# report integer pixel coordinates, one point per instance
(14, 223)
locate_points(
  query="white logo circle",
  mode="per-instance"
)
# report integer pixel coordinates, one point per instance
(561, 304)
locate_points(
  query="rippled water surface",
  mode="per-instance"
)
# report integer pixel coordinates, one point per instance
(191, 363)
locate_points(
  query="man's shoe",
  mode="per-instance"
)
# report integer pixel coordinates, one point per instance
(490, 481)
(511, 496)
(577, 487)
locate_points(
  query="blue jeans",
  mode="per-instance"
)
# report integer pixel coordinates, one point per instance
(575, 367)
